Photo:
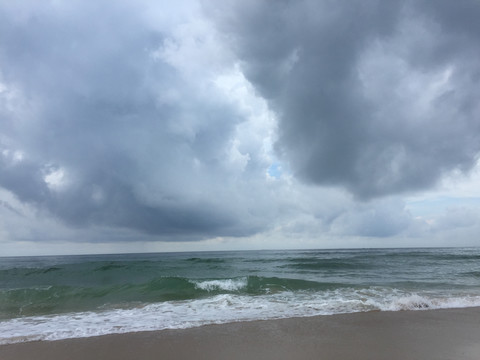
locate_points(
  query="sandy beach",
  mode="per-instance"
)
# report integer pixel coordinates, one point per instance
(432, 334)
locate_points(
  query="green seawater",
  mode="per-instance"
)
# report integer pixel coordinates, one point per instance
(32, 286)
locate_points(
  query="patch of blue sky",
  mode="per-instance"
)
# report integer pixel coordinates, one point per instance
(275, 170)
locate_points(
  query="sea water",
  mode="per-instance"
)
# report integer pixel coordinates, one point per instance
(58, 297)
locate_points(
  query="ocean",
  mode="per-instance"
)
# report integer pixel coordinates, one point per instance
(58, 297)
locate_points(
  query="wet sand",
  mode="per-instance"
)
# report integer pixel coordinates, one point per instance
(406, 335)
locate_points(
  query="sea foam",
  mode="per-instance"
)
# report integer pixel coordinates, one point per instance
(224, 284)
(219, 309)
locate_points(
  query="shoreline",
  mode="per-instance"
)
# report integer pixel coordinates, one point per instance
(424, 334)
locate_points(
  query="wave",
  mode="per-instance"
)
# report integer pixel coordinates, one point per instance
(111, 266)
(321, 264)
(51, 299)
(256, 285)
(221, 308)
(219, 285)
(198, 260)
(474, 274)
(23, 272)
(419, 302)
(427, 255)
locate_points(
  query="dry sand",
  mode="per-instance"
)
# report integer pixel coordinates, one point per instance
(452, 334)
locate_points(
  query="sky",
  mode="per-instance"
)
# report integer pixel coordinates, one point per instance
(138, 126)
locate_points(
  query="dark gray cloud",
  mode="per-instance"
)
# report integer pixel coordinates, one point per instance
(98, 129)
(379, 97)
(133, 117)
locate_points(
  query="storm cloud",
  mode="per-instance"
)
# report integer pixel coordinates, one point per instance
(379, 97)
(145, 121)
(98, 127)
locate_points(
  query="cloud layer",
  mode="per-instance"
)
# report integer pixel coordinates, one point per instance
(198, 120)
(378, 97)
(101, 124)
